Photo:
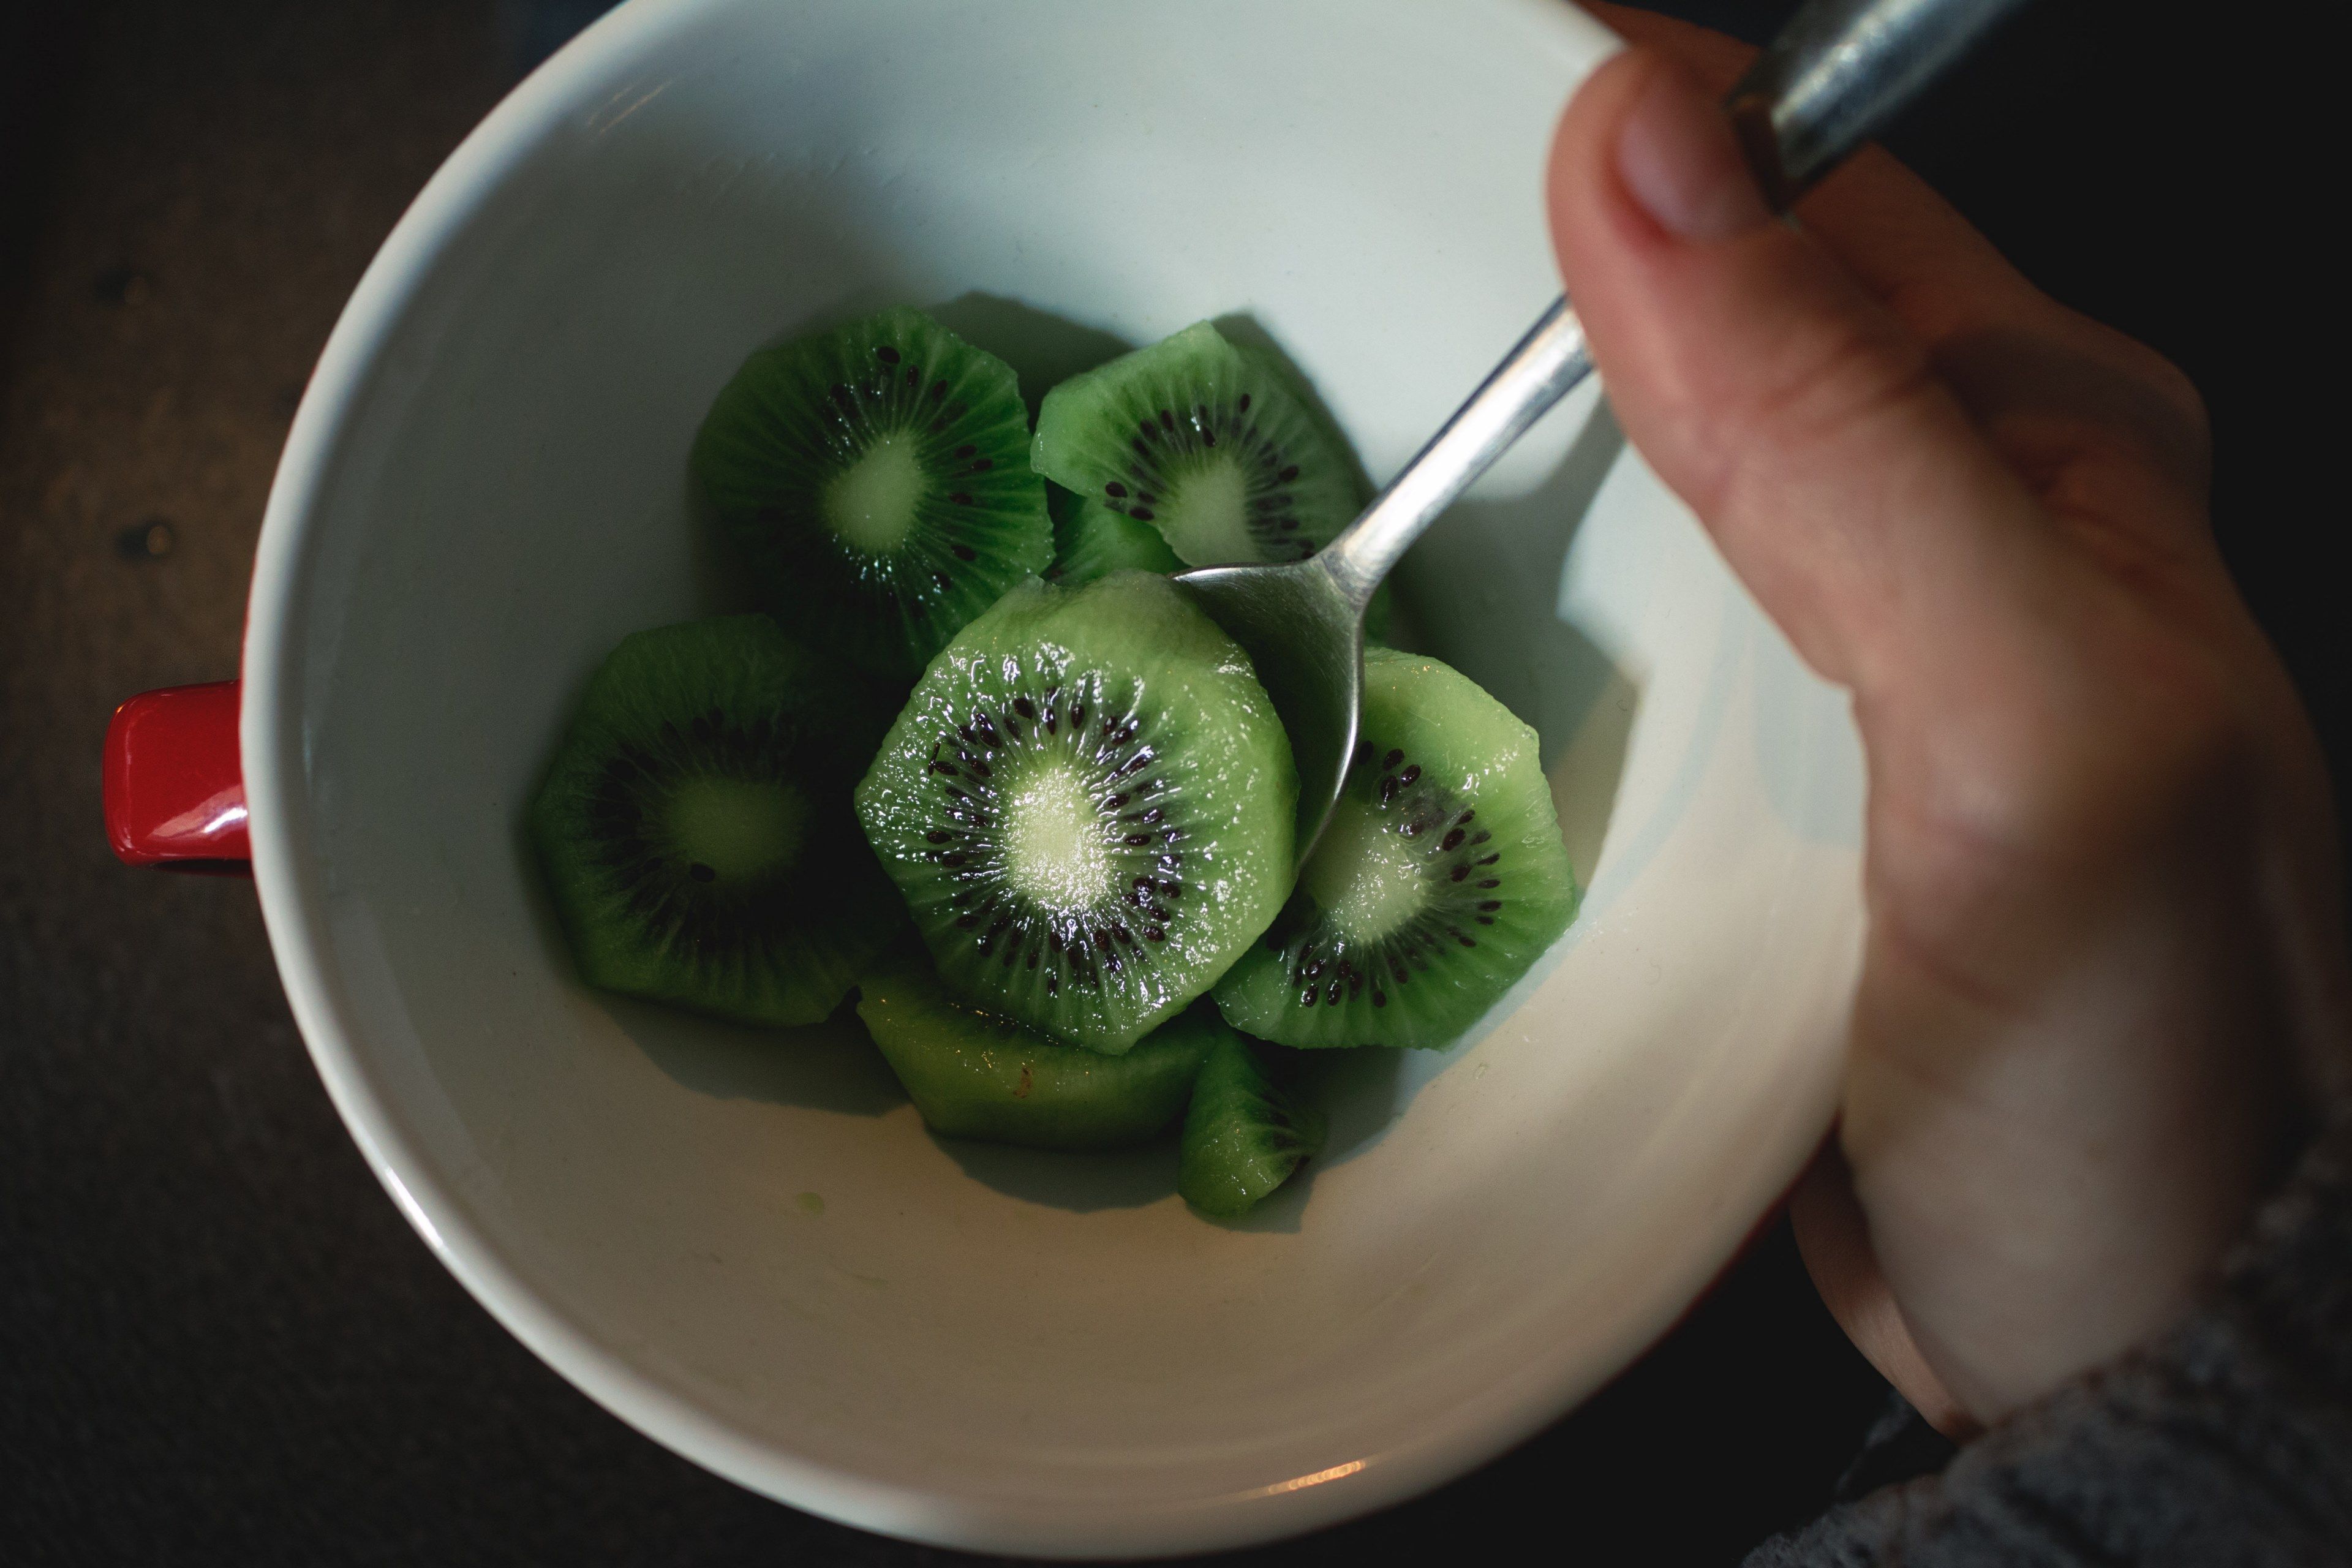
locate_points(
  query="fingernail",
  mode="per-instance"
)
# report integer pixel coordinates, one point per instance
(1678, 159)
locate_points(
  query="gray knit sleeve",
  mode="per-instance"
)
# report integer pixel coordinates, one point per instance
(2227, 1441)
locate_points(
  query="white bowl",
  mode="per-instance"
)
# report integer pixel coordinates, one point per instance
(486, 488)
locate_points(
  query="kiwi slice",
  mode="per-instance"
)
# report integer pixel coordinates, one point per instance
(877, 478)
(1242, 1137)
(1091, 540)
(1206, 442)
(695, 828)
(1440, 879)
(1087, 805)
(975, 1075)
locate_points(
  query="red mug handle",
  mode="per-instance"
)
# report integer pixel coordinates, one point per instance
(175, 790)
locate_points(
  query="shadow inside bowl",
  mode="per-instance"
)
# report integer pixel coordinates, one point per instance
(1359, 1091)
(831, 1065)
(1247, 332)
(1081, 1183)
(1043, 348)
(1482, 591)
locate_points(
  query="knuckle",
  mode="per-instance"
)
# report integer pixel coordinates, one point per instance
(2153, 405)
(2051, 383)
(2166, 381)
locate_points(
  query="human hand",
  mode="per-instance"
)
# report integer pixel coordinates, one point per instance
(2106, 963)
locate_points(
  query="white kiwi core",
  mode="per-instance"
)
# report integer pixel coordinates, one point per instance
(730, 830)
(1057, 854)
(1206, 518)
(871, 503)
(1367, 877)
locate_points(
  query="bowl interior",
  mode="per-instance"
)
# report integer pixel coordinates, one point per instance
(747, 1245)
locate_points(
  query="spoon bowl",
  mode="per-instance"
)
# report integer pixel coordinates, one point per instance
(1305, 633)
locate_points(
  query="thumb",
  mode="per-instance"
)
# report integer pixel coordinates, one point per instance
(1794, 413)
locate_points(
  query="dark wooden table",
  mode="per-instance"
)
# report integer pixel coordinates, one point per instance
(218, 1342)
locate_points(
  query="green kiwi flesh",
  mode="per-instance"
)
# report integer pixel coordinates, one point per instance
(695, 828)
(1087, 802)
(975, 1075)
(1207, 443)
(1090, 540)
(876, 479)
(1242, 1137)
(1439, 882)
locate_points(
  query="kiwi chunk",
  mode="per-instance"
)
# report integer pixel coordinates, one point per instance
(1087, 803)
(877, 478)
(1242, 1137)
(1207, 443)
(974, 1074)
(695, 828)
(1091, 540)
(1440, 880)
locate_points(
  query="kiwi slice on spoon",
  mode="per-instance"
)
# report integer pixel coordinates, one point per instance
(877, 478)
(1242, 1136)
(1206, 442)
(975, 1075)
(1087, 802)
(695, 828)
(1439, 882)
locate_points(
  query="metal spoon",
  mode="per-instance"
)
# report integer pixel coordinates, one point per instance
(1838, 71)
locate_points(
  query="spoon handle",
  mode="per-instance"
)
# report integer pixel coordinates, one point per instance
(1540, 371)
(1836, 73)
